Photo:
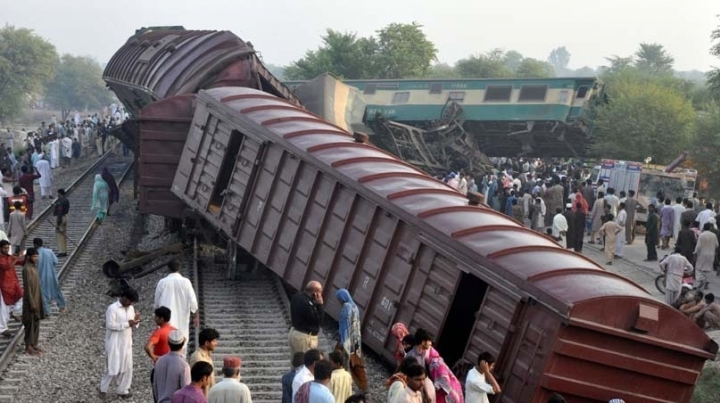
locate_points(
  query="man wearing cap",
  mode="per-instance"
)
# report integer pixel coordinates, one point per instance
(230, 389)
(172, 372)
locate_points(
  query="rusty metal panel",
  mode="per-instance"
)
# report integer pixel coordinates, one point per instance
(355, 241)
(161, 62)
(620, 368)
(401, 246)
(266, 205)
(163, 129)
(299, 199)
(493, 324)
(310, 230)
(183, 186)
(436, 295)
(522, 366)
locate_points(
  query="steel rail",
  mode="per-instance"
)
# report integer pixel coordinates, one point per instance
(9, 351)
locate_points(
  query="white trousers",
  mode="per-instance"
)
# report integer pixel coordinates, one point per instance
(620, 244)
(6, 310)
(123, 381)
(45, 191)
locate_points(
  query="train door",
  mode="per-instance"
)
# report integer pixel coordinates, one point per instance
(521, 368)
(459, 322)
(187, 184)
(393, 264)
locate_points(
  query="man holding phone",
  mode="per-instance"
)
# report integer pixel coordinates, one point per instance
(120, 319)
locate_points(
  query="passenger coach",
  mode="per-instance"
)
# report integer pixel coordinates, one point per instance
(311, 201)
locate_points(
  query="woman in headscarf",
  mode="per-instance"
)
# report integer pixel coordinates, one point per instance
(400, 331)
(351, 337)
(580, 199)
(114, 194)
(100, 198)
(448, 387)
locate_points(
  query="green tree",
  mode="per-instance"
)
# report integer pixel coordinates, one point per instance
(398, 51)
(442, 70)
(618, 64)
(404, 51)
(652, 58)
(714, 75)
(705, 146)
(27, 61)
(77, 85)
(342, 54)
(512, 59)
(642, 118)
(489, 65)
(533, 68)
(559, 58)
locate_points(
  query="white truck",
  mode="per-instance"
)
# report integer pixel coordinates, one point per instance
(646, 180)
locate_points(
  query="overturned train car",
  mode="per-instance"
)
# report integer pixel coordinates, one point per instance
(152, 74)
(309, 201)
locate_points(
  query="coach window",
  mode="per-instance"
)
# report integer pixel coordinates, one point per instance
(370, 89)
(563, 96)
(457, 96)
(498, 93)
(436, 88)
(582, 92)
(532, 93)
(226, 171)
(401, 97)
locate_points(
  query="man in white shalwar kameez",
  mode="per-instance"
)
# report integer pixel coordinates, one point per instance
(176, 293)
(43, 168)
(621, 221)
(120, 319)
(54, 149)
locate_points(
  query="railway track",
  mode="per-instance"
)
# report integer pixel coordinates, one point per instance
(81, 223)
(251, 313)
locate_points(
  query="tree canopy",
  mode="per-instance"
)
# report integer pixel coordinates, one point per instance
(559, 58)
(27, 61)
(398, 51)
(500, 64)
(644, 117)
(77, 85)
(652, 58)
(714, 75)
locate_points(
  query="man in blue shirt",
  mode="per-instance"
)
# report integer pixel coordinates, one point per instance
(317, 391)
(287, 379)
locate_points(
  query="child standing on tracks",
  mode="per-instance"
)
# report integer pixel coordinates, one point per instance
(17, 228)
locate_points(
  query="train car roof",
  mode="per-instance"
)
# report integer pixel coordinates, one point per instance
(445, 80)
(502, 247)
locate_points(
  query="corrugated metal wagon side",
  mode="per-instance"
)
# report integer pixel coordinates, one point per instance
(310, 201)
(164, 127)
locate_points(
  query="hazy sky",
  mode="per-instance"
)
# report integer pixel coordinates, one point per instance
(282, 30)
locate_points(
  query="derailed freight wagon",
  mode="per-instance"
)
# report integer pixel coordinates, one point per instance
(310, 201)
(152, 74)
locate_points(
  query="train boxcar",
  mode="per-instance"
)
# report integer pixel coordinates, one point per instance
(159, 63)
(311, 201)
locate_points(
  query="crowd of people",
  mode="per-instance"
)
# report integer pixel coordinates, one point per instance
(561, 200)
